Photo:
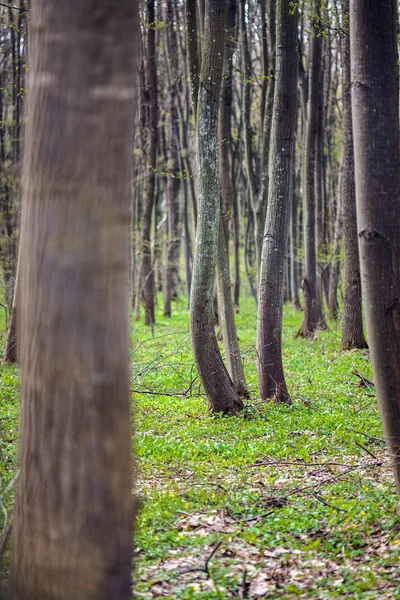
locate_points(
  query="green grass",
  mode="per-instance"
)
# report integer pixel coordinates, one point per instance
(312, 531)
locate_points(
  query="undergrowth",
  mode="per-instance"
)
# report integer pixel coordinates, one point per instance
(280, 502)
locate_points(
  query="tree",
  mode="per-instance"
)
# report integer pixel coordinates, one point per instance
(72, 528)
(173, 180)
(352, 324)
(313, 315)
(146, 272)
(375, 109)
(218, 386)
(271, 379)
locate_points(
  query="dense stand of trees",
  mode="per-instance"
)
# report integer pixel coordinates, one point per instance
(265, 162)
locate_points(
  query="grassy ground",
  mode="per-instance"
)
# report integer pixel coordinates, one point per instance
(296, 501)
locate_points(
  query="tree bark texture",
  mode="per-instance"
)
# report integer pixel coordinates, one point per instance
(352, 324)
(374, 75)
(271, 379)
(173, 180)
(313, 315)
(227, 318)
(225, 118)
(72, 526)
(218, 386)
(146, 277)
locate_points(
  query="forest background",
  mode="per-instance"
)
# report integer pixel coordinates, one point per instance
(295, 496)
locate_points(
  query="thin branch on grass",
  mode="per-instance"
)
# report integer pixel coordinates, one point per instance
(205, 568)
(371, 437)
(171, 394)
(363, 380)
(257, 517)
(320, 499)
(366, 450)
(300, 464)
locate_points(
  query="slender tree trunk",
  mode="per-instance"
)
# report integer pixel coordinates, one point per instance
(294, 238)
(313, 314)
(224, 125)
(227, 318)
(352, 324)
(218, 386)
(10, 355)
(333, 304)
(72, 527)
(173, 180)
(192, 46)
(375, 109)
(271, 379)
(146, 277)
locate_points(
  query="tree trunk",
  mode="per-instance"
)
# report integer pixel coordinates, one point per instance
(333, 304)
(72, 527)
(227, 318)
(218, 386)
(10, 355)
(294, 238)
(352, 324)
(173, 179)
(271, 379)
(375, 109)
(313, 314)
(224, 125)
(146, 277)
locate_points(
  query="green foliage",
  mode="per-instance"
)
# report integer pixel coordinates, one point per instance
(326, 529)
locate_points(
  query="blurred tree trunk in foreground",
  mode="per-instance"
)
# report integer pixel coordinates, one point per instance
(72, 528)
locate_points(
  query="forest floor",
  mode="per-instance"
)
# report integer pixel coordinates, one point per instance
(281, 502)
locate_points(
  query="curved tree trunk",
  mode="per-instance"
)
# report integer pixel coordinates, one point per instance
(375, 109)
(271, 379)
(313, 314)
(218, 386)
(352, 324)
(72, 527)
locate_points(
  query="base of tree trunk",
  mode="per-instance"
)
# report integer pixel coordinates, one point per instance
(352, 344)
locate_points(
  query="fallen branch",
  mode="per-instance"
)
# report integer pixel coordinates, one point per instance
(320, 499)
(364, 381)
(366, 450)
(371, 437)
(300, 464)
(204, 569)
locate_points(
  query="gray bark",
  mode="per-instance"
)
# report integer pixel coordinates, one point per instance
(352, 324)
(72, 526)
(271, 379)
(221, 393)
(374, 76)
(313, 314)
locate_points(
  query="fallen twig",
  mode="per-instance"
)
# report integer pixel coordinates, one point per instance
(364, 381)
(300, 464)
(366, 450)
(257, 517)
(320, 499)
(205, 568)
(371, 437)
